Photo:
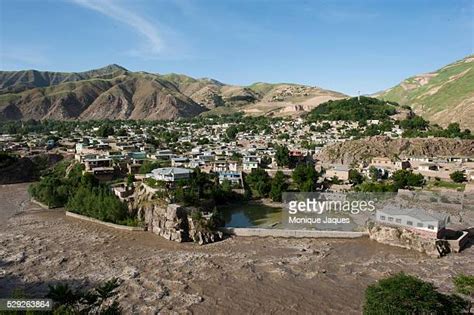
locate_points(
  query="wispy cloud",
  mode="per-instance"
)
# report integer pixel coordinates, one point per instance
(111, 9)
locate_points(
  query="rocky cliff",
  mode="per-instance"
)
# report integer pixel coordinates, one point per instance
(356, 151)
(407, 239)
(171, 221)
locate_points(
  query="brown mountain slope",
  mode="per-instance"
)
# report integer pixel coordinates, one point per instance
(17, 81)
(112, 92)
(115, 95)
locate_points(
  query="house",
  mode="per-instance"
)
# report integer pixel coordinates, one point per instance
(233, 166)
(95, 162)
(170, 174)
(402, 165)
(220, 166)
(428, 167)
(179, 161)
(250, 162)
(381, 161)
(137, 157)
(235, 178)
(163, 155)
(339, 171)
(418, 220)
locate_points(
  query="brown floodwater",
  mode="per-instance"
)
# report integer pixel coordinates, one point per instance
(237, 275)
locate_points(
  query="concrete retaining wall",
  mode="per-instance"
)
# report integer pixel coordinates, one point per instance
(112, 225)
(42, 205)
(457, 245)
(291, 233)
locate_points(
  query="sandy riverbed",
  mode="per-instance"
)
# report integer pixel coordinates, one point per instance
(238, 275)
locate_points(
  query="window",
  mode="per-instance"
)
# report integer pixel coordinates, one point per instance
(419, 224)
(398, 220)
(382, 217)
(409, 223)
(431, 227)
(390, 219)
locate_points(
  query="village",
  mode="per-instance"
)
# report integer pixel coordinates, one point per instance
(211, 149)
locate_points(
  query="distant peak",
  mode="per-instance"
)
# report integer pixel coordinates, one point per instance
(114, 67)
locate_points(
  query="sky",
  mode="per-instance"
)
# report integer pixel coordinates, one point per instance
(347, 46)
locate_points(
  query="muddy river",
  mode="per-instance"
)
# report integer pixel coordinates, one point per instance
(237, 275)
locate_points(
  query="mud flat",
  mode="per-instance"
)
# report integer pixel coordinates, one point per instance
(237, 275)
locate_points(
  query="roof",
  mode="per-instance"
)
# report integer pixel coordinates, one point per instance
(416, 213)
(171, 170)
(229, 173)
(341, 168)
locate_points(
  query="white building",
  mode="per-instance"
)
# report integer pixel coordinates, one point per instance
(418, 220)
(170, 174)
(250, 162)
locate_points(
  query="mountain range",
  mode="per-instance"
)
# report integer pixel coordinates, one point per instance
(113, 92)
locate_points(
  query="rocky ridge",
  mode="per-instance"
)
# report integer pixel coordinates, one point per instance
(362, 150)
(113, 92)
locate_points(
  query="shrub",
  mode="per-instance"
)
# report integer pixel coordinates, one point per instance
(457, 177)
(464, 284)
(405, 294)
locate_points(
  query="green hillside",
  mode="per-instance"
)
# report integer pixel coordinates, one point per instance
(443, 96)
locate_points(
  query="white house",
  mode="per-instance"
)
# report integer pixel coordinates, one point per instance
(250, 162)
(234, 177)
(417, 220)
(169, 174)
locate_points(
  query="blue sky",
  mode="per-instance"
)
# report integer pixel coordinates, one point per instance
(348, 46)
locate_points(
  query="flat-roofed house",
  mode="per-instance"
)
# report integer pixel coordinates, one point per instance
(235, 178)
(339, 171)
(428, 224)
(382, 161)
(163, 155)
(179, 161)
(220, 166)
(170, 174)
(93, 162)
(250, 162)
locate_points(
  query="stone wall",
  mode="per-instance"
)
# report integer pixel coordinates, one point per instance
(401, 237)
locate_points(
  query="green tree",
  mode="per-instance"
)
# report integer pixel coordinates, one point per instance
(355, 177)
(232, 132)
(105, 130)
(458, 177)
(403, 179)
(414, 123)
(130, 180)
(259, 182)
(405, 294)
(374, 173)
(305, 177)
(282, 155)
(278, 186)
